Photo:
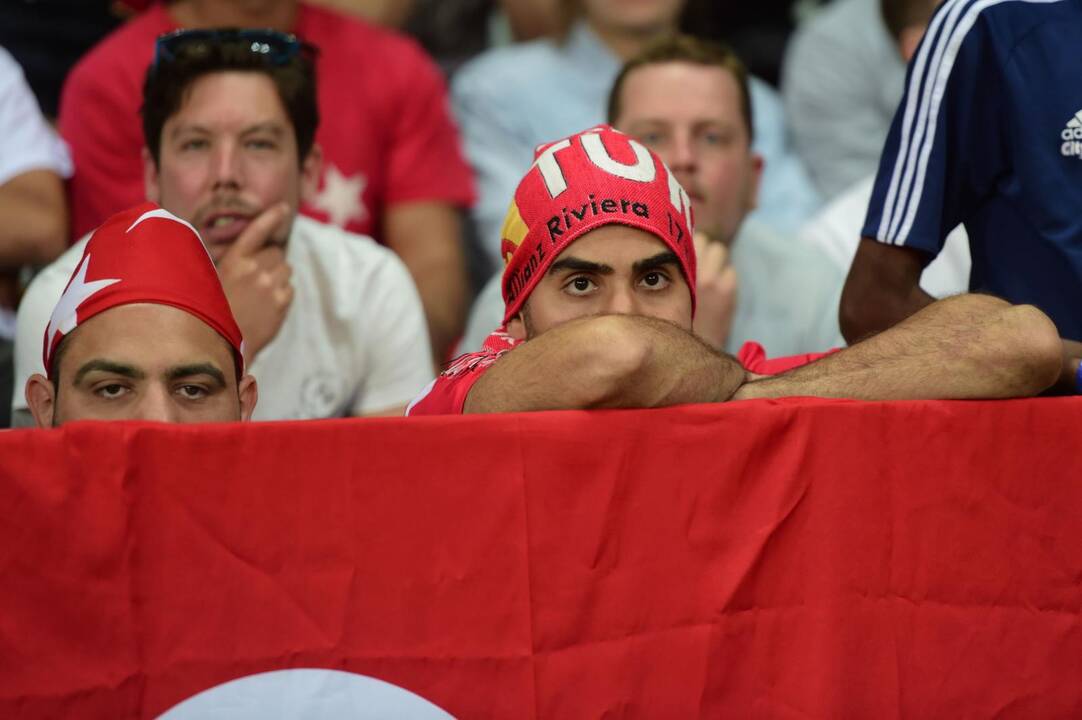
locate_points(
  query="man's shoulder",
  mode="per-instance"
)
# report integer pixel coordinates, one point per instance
(118, 53)
(340, 35)
(352, 269)
(1011, 20)
(511, 69)
(332, 244)
(766, 260)
(55, 275)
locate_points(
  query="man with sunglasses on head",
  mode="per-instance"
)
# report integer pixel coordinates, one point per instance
(600, 294)
(392, 165)
(332, 320)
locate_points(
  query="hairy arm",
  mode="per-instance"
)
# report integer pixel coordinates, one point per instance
(964, 347)
(35, 227)
(607, 361)
(427, 237)
(882, 289)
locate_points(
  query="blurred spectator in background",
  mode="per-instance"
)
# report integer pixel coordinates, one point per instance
(453, 31)
(834, 232)
(757, 31)
(332, 322)
(843, 76)
(33, 163)
(392, 166)
(47, 37)
(511, 99)
(989, 134)
(688, 101)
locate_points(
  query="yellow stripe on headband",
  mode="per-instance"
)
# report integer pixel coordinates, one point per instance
(514, 228)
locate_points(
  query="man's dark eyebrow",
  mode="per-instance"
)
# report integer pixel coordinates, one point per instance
(269, 126)
(653, 263)
(183, 371)
(579, 265)
(110, 367)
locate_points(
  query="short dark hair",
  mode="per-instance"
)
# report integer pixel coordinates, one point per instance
(168, 83)
(900, 14)
(687, 49)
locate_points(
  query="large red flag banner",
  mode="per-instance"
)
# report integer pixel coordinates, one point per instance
(766, 559)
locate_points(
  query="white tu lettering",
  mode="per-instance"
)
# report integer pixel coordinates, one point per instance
(551, 173)
(642, 170)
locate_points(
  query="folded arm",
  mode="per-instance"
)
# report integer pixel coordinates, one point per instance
(607, 361)
(964, 347)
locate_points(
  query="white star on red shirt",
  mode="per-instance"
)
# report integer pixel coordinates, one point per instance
(340, 197)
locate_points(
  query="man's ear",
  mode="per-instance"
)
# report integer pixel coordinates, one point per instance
(757, 163)
(151, 186)
(516, 328)
(249, 395)
(41, 398)
(311, 170)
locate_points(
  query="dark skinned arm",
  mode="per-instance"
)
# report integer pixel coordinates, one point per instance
(607, 361)
(881, 290)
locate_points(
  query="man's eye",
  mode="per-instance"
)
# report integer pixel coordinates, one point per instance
(111, 391)
(194, 144)
(650, 138)
(655, 280)
(580, 285)
(192, 392)
(261, 144)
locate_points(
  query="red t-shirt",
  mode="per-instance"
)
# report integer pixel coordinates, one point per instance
(446, 395)
(385, 125)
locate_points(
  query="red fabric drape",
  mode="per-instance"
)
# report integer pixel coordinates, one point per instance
(766, 559)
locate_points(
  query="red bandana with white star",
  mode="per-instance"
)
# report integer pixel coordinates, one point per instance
(144, 255)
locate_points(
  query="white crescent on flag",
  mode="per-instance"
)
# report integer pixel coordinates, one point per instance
(305, 693)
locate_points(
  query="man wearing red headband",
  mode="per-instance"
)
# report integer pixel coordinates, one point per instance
(599, 292)
(143, 331)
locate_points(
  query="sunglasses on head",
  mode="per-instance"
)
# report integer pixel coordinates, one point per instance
(277, 48)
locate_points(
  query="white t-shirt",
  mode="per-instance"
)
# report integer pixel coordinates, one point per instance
(26, 140)
(835, 233)
(353, 342)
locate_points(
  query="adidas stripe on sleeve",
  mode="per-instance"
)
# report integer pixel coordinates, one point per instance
(948, 113)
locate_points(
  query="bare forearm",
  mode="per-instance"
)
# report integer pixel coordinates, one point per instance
(35, 227)
(881, 290)
(607, 361)
(969, 346)
(427, 238)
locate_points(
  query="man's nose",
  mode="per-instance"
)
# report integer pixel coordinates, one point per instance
(622, 301)
(681, 155)
(227, 170)
(156, 405)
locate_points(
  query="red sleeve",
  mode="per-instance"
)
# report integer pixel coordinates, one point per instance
(99, 119)
(446, 395)
(753, 357)
(425, 160)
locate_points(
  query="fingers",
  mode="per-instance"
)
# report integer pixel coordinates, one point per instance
(713, 260)
(700, 240)
(256, 236)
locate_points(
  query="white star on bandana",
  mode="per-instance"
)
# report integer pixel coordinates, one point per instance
(340, 197)
(64, 317)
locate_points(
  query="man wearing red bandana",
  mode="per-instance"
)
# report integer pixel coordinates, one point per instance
(143, 331)
(599, 290)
